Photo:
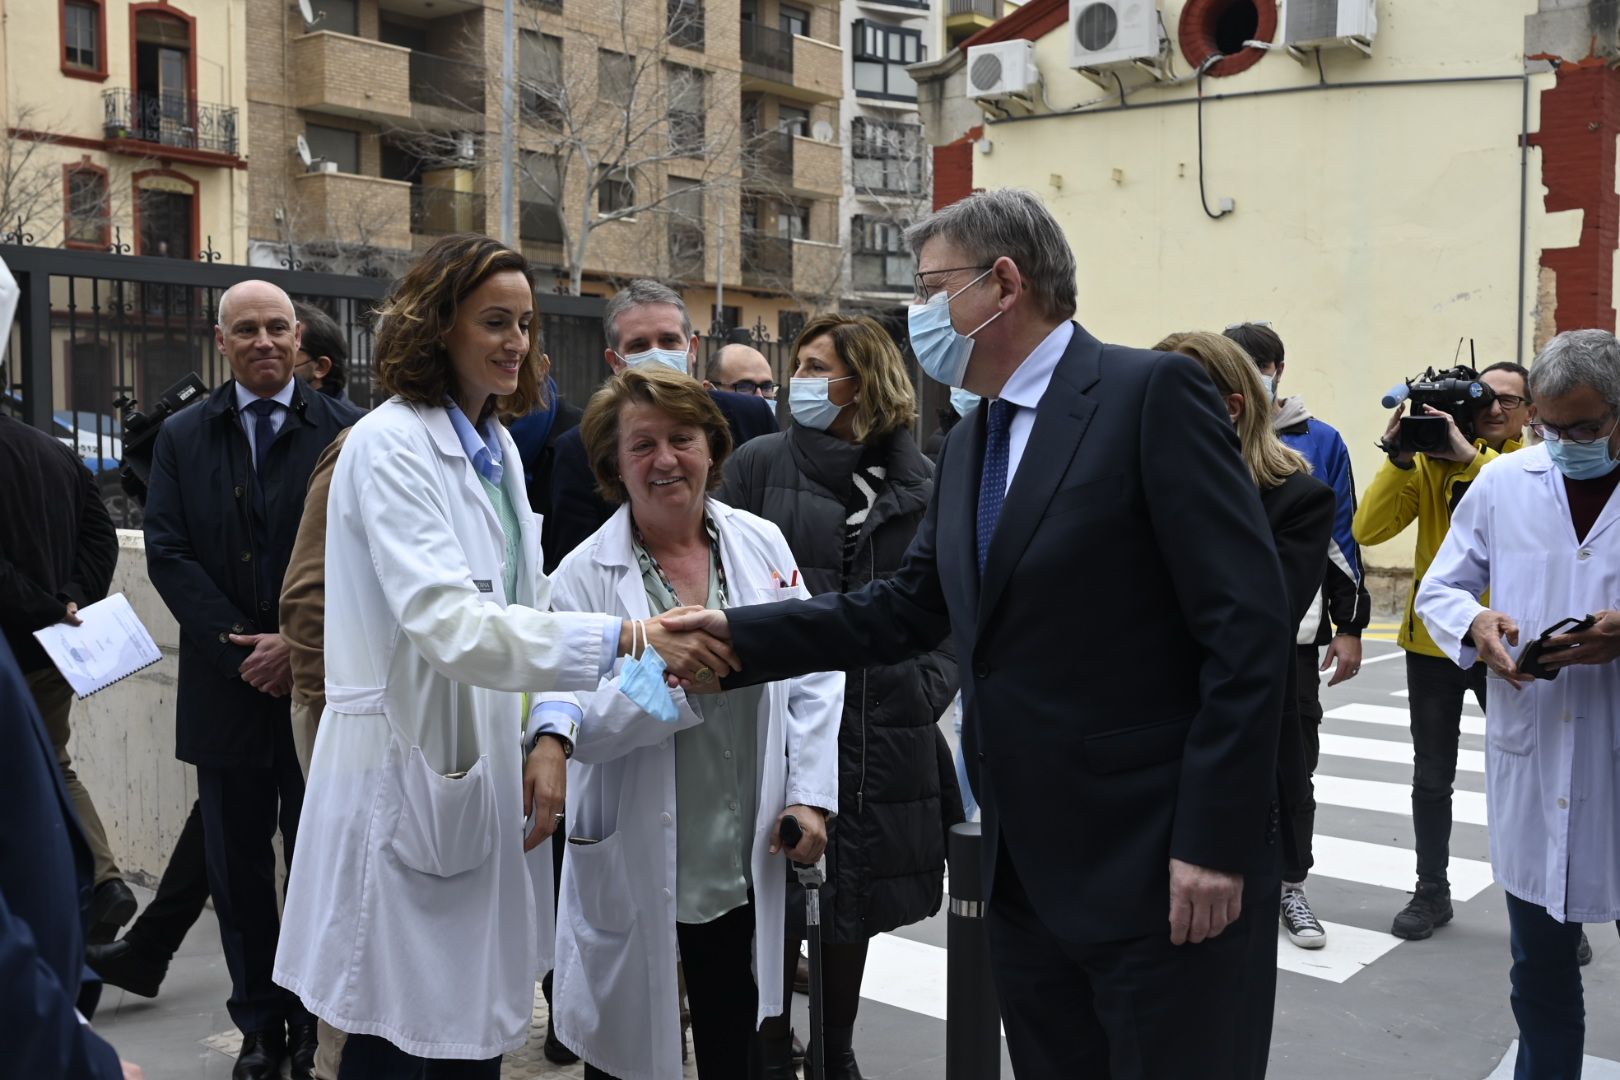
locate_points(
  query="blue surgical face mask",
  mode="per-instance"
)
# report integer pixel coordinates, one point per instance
(963, 400)
(678, 359)
(808, 402)
(641, 679)
(1580, 461)
(1270, 383)
(942, 352)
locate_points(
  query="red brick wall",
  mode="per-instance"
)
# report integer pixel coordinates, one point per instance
(1580, 119)
(953, 169)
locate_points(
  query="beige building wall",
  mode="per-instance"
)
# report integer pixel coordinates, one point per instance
(1372, 227)
(57, 120)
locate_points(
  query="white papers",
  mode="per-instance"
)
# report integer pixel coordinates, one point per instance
(109, 646)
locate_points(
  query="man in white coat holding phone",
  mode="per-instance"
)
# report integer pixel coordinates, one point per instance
(1541, 530)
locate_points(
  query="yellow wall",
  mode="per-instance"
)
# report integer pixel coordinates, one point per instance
(38, 96)
(1373, 227)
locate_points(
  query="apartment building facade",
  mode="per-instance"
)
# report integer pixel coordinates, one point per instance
(645, 137)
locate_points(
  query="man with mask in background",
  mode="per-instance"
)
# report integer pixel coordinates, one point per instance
(644, 323)
(1541, 528)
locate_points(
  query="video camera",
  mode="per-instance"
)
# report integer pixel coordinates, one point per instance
(141, 430)
(1456, 391)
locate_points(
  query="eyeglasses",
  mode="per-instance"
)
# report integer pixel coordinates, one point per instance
(936, 279)
(749, 386)
(1583, 434)
(1510, 401)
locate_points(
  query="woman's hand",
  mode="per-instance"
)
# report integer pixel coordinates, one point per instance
(813, 826)
(690, 653)
(545, 790)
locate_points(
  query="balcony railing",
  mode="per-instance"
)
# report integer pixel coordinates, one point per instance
(440, 211)
(169, 120)
(990, 9)
(767, 261)
(770, 154)
(767, 53)
(446, 83)
(685, 249)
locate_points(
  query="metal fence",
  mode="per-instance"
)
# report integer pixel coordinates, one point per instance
(94, 326)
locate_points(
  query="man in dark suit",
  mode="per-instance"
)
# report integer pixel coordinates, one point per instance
(46, 871)
(645, 323)
(226, 494)
(1097, 551)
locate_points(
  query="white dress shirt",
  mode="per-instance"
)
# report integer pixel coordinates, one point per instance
(1027, 386)
(246, 397)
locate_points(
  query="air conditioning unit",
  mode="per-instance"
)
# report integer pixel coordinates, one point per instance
(1105, 33)
(466, 146)
(1002, 70)
(1318, 23)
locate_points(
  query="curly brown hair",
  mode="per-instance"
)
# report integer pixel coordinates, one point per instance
(680, 397)
(411, 358)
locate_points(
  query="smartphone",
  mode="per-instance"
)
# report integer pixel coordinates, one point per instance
(1530, 660)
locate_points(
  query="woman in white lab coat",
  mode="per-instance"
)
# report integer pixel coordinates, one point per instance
(674, 803)
(411, 920)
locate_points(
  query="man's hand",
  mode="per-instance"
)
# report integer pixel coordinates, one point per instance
(132, 1071)
(1599, 645)
(813, 825)
(1392, 437)
(1489, 629)
(1458, 448)
(691, 639)
(1345, 650)
(269, 669)
(545, 789)
(1202, 902)
(71, 616)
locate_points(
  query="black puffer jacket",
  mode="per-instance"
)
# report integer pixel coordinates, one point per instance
(897, 793)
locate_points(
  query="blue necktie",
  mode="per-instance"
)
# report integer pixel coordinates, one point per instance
(993, 480)
(263, 433)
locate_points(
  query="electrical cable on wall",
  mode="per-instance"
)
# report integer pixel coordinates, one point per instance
(1203, 199)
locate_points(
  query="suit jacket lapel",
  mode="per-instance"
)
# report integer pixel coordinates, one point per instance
(1061, 420)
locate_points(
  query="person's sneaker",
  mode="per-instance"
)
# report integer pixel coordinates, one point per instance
(1583, 951)
(1299, 921)
(1429, 909)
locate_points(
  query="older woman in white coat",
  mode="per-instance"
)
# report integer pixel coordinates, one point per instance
(674, 805)
(411, 919)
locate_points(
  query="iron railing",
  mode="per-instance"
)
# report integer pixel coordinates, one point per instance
(440, 211)
(988, 8)
(168, 120)
(767, 53)
(446, 83)
(770, 155)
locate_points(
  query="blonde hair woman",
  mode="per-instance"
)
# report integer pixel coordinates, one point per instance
(1299, 509)
(847, 485)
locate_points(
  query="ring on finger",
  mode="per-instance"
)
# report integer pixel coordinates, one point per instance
(703, 675)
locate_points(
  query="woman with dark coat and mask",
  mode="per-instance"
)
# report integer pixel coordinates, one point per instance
(848, 487)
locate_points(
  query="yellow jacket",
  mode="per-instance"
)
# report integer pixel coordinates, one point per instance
(1428, 491)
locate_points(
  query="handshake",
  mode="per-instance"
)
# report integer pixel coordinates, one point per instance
(694, 643)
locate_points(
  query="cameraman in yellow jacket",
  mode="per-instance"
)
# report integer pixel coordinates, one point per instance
(1427, 488)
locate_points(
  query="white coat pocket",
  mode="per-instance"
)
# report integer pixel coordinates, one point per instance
(446, 825)
(601, 884)
(770, 594)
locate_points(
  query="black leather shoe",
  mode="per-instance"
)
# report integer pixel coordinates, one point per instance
(111, 907)
(1583, 951)
(554, 1051)
(301, 1044)
(261, 1056)
(124, 965)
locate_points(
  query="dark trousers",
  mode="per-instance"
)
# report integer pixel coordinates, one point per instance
(181, 895)
(1140, 1009)
(241, 809)
(369, 1057)
(720, 991)
(1435, 688)
(1297, 856)
(1547, 999)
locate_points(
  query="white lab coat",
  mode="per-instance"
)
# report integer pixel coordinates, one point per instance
(1552, 750)
(615, 997)
(410, 912)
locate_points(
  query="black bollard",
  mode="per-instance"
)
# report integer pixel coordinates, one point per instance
(972, 1013)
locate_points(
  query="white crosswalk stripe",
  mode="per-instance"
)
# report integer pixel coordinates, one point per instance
(1394, 717)
(1467, 807)
(1390, 867)
(1397, 753)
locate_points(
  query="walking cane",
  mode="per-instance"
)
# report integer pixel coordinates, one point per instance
(811, 878)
